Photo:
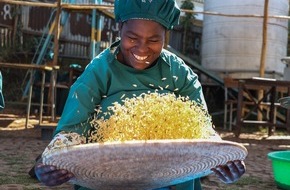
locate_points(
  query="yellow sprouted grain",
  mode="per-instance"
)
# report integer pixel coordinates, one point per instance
(153, 116)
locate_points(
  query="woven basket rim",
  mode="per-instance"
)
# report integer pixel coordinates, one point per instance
(144, 164)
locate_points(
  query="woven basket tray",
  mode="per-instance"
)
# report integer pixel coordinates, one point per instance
(143, 164)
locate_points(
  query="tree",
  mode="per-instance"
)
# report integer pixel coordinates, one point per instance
(186, 21)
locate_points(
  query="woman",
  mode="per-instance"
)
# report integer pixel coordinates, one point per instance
(134, 65)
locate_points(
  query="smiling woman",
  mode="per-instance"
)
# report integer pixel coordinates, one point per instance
(135, 65)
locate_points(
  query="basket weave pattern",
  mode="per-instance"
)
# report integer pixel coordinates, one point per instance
(143, 164)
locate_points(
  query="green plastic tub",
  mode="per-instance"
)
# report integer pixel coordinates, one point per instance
(281, 168)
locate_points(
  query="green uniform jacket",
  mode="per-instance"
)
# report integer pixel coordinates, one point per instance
(106, 80)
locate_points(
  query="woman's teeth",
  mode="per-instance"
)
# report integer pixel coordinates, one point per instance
(140, 58)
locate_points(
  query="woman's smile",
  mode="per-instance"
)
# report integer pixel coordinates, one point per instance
(140, 58)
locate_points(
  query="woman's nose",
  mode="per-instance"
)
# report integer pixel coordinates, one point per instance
(142, 46)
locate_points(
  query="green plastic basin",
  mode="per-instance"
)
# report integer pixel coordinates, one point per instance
(281, 168)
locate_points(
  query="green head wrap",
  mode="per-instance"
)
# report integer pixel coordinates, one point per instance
(165, 12)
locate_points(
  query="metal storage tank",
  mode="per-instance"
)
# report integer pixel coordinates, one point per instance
(232, 45)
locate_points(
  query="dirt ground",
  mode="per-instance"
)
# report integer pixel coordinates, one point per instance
(19, 147)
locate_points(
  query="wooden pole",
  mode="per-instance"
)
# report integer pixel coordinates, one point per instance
(263, 54)
(55, 59)
(56, 34)
(15, 26)
(264, 40)
(111, 7)
(28, 3)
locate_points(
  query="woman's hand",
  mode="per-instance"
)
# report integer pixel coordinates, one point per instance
(50, 176)
(230, 172)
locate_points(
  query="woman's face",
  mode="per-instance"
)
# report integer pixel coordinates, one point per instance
(141, 43)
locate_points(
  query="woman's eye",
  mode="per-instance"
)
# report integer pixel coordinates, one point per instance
(132, 40)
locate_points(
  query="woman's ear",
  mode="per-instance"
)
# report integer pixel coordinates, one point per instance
(166, 39)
